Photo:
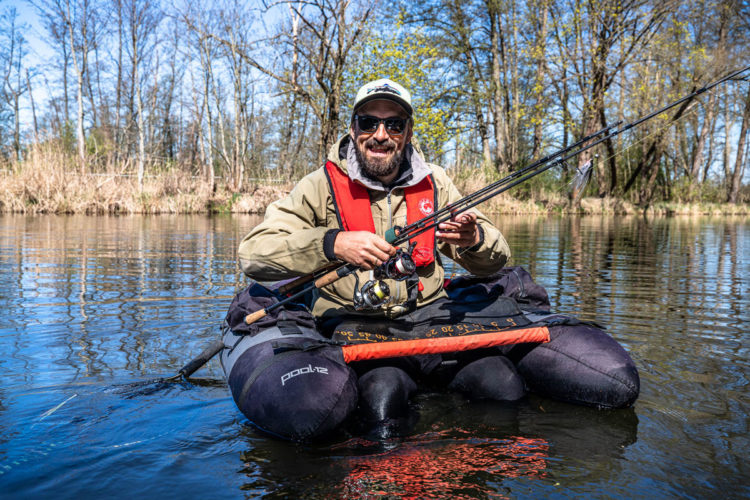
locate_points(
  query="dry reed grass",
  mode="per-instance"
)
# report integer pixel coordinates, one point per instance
(48, 181)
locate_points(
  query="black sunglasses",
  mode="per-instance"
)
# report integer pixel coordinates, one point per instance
(369, 124)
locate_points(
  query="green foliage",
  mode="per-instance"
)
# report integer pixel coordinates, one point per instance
(98, 143)
(68, 138)
(539, 187)
(685, 190)
(226, 206)
(408, 58)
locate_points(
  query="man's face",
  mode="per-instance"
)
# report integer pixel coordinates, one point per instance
(380, 152)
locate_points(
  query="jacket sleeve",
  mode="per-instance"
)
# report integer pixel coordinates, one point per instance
(289, 241)
(491, 254)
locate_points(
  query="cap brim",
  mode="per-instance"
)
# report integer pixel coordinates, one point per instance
(386, 97)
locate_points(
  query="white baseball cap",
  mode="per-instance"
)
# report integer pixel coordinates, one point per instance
(383, 89)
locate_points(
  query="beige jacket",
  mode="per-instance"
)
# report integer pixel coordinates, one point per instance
(289, 241)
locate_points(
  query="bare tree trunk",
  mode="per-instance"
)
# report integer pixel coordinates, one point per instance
(119, 82)
(17, 125)
(514, 132)
(222, 142)
(141, 25)
(739, 166)
(239, 147)
(33, 107)
(727, 144)
(66, 62)
(710, 154)
(284, 163)
(205, 62)
(700, 141)
(496, 40)
(539, 86)
(80, 66)
(141, 124)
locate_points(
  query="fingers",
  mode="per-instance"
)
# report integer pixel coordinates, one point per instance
(362, 248)
(461, 230)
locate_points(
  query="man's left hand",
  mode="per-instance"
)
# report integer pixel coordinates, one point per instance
(461, 230)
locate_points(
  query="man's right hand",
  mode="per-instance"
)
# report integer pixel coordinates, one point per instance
(362, 248)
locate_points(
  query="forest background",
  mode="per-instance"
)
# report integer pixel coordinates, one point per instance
(144, 106)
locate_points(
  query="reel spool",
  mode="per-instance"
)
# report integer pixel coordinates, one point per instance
(399, 267)
(372, 295)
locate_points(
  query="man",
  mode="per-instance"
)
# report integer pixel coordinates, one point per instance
(376, 178)
(302, 232)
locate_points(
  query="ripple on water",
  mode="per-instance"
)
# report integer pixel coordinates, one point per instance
(91, 304)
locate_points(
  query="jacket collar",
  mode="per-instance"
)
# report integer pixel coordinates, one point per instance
(412, 172)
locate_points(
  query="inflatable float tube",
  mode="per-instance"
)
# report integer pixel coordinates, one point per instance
(290, 381)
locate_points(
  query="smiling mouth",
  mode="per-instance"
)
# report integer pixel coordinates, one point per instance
(379, 151)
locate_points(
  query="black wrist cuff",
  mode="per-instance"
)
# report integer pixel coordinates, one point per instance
(481, 240)
(328, 240)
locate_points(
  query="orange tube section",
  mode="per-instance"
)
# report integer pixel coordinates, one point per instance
(397, 348)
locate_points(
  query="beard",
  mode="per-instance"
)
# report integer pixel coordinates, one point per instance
(376, 168)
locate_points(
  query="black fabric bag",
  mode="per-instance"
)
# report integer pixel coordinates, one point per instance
(513, 282)
(496, 301)
(257, 297)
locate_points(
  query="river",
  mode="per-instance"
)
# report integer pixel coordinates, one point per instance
(91, 305)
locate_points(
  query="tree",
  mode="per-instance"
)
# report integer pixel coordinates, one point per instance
(329, 30)
(141, 20)
(406, 56)
(739, 163)
(597, 28)
(14, 85)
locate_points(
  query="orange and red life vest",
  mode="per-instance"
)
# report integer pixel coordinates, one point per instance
(352, 202)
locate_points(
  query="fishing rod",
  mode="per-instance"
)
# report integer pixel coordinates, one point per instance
(398, 235)
(454, 208)
(390, 236)
(375, 292)
(395, 236)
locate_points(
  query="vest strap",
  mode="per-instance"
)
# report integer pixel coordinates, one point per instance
(352, 202)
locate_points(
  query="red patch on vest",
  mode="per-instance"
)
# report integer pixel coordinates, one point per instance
(425, 206)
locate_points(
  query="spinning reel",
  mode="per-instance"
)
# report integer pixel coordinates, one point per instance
(374, 293)
(399, 267)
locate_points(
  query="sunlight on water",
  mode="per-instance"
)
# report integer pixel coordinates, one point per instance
(91, 306)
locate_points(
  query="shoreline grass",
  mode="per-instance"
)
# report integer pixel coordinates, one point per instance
(49, 183)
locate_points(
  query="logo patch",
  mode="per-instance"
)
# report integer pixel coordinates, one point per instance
(302, 371)
(425, 206)
(383, 88)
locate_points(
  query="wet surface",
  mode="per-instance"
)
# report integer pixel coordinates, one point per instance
(91, 306)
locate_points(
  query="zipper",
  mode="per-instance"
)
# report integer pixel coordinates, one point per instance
(390, 214)
(396, 297)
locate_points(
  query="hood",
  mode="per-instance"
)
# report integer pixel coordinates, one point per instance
(342, 154)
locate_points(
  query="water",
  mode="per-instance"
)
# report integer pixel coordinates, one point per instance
(90, 305)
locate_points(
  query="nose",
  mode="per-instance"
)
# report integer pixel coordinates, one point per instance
(381, 134)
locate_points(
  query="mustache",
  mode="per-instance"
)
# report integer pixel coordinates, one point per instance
(388, 143)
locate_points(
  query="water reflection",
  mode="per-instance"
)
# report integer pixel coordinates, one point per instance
(91, 304)
(101, 292)
(459, 450)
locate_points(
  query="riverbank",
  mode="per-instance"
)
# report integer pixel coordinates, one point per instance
(63, 191)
